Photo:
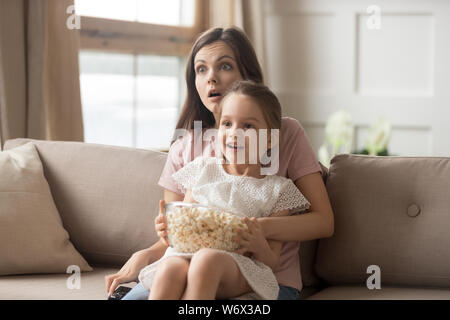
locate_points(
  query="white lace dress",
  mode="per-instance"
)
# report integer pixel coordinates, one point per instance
(212, 186)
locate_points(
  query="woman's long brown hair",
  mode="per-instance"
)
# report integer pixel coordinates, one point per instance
(193, 108)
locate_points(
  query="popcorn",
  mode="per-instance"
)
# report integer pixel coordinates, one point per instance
(191, 228)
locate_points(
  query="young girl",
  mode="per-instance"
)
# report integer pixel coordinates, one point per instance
(240, 188)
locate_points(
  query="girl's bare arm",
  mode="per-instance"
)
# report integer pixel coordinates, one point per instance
(264, 250)
(269, 254)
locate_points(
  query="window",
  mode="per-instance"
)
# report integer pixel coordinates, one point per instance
(132, 63)
(168, 12)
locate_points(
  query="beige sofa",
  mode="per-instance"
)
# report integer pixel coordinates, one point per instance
(391, 212)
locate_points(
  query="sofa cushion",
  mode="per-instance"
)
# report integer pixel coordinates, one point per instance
(32, 236)
(385, 293)
(57, 286)
(107, 196)
(392, 212)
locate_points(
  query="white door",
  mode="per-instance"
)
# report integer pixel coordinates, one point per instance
(322, 56)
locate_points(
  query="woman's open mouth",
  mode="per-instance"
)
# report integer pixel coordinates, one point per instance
(214, 96)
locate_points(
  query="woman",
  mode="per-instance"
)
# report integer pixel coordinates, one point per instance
(218, 58)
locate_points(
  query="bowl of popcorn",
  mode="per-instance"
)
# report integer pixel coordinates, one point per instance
(191, 227)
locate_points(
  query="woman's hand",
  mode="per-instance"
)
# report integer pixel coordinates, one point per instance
(129, 272)
(160, 223)
(251, 240)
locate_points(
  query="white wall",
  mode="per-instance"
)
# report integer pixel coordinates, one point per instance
(322, 57)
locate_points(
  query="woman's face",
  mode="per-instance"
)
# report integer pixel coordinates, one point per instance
(240, 114)
(216, 69)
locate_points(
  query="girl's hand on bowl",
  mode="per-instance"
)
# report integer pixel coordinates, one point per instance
(252, 239)
(160, 223)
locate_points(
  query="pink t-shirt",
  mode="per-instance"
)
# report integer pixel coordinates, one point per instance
(297, 159)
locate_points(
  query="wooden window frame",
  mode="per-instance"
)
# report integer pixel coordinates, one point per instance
(143, 38)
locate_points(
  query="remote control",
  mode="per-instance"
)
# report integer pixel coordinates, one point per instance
(119, 293)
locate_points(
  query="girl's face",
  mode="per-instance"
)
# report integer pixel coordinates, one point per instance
(240, 112)
(215, 70)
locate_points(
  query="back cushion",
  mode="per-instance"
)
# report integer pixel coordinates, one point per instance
(393, 212)
(107, 196)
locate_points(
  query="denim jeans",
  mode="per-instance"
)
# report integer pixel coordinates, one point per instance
(140, 293)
